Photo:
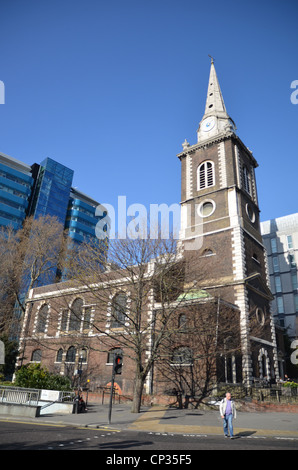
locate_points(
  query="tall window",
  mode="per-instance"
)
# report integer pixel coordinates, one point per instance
(118, 310)
(289, 242)
(275, 265)
(205, 175)
(280, 305)
(76, 315)
(246, 180)
(59, 355)
(71, 354)
(42, 319)
(273, 245)
(277, 281)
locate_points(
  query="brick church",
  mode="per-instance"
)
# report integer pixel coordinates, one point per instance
(219, 225)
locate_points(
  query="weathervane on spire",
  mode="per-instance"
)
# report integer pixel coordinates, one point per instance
(212, 59)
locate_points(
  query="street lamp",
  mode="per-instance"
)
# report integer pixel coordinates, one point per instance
(80, 362)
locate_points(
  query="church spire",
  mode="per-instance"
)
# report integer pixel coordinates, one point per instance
(216, 119)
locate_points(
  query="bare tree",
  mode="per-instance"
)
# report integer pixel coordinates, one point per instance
(204, 337)
(135, 291)
(29, 257)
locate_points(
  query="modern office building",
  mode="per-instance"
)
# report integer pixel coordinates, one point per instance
(45, 189)
(80, 217)
(280, 238)
(16, 183)
(51, 192)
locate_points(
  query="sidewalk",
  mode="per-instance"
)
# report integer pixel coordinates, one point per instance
(171, 420)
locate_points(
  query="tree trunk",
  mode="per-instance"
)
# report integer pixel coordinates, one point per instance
(137, 394)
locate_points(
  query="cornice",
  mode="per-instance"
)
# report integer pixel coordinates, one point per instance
(205, 144)
(215, 140)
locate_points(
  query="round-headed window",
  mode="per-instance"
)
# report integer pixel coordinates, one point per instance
(206, 208)
(260, 316)
(250, 213)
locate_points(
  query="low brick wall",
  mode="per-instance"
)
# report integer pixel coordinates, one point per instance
(290, 406)
(263, 407)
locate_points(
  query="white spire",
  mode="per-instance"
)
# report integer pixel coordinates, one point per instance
(216, 119)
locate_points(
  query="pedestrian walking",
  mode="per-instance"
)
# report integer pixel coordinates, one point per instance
(227, 410)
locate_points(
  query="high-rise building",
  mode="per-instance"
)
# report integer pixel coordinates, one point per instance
(280, 237)
(80, 217)
(45, 189)
(51, 190)
(16, 182)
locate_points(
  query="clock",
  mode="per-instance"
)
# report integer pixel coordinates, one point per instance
(208, 124)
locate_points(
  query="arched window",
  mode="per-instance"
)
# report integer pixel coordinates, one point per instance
(59, 355)
(71, 354)
(42, 319)
(205, 175)
(112, 353)
(182, 356)
(83, 355)
(36, 355)
(246, 180)
(76, 315)
(118, 310)
(208, 252)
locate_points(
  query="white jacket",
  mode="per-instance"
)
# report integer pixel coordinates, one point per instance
(223, 405)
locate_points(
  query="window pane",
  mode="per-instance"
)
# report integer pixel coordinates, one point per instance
(206, 175)
(277, 284)
(42, 319)
(280, 305)
(275, 265)
(71, 354)
(273, 245)
(290, 241)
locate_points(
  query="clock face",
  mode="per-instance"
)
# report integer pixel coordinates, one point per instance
(208, 124)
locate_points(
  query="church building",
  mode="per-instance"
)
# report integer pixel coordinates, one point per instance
(220, 220)
(220, 226)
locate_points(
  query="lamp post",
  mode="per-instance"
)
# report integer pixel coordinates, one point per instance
(80, 362)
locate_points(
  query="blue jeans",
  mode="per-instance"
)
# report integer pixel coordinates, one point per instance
(228, 423)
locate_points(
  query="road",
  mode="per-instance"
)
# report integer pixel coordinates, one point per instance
(28, 436)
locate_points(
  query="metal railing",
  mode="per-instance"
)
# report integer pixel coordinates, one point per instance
(29, 396)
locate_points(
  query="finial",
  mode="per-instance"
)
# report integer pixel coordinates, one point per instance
(212, 59)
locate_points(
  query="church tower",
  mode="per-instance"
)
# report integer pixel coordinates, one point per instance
(220, 223)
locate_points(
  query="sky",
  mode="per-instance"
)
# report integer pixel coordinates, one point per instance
(111, 89)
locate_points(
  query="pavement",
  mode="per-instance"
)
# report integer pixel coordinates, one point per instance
(162, 419)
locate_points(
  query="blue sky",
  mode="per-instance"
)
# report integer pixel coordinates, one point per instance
(112, 88)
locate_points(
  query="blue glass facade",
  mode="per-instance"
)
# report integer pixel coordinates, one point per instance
(52, 190)
(15, 188)
(81, 220)
(45, 189)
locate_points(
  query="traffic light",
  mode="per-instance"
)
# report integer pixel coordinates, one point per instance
(118, 364)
